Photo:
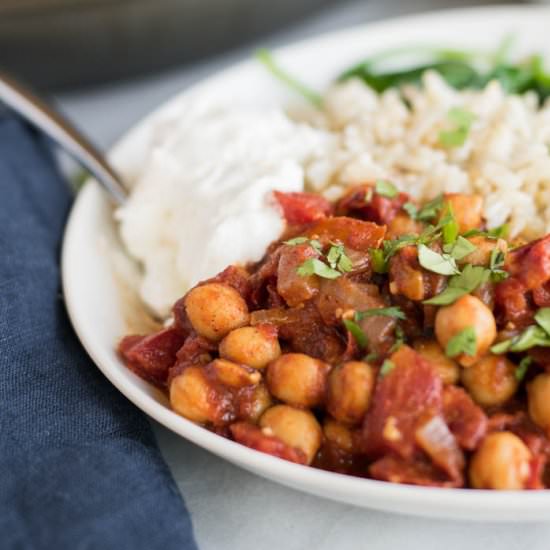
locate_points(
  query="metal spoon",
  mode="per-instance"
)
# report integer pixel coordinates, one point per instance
(37, 112)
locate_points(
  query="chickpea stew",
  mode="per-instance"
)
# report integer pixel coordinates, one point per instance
(379, 338)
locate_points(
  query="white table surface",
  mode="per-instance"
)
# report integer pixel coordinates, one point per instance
(230, 508)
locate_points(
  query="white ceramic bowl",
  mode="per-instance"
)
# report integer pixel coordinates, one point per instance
(96, 301)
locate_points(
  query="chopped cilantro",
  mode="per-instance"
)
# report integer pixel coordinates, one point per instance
(471, 277)
(431, 209)
(313, 266)
(444, 264)
(387, 367)
(338, 259)
(542, 317)
(461, 120)
(386, 189)
(521, 369)
(379, 264)
(394, 312)
(355, 330)
(411, 209)
(460, 248)
(463, 342)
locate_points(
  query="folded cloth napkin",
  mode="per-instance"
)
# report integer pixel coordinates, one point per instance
(79, 466)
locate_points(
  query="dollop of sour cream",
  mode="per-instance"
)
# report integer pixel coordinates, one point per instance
(203, 199)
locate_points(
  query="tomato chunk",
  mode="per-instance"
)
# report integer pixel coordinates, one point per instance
(251, 436)
(302, 208)
(410, 393)
(151, 356)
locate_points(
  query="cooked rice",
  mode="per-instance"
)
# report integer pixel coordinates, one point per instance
(505, 157)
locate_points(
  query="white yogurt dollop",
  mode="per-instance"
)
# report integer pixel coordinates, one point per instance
(204, 198)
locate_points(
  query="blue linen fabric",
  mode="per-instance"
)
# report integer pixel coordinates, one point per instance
(79, 466)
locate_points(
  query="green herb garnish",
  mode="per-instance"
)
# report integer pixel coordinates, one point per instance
(355, 330)
(463, 342)
(496, 263)
(542, 317)
(521, 369)
(531, 337)
(393, 311)
(399, 339)
(462, 121)
(315, 244)
(386, 368)
(431, 209)
(313, 266)
(379, 264)
(471, 277)
(460, 248)
(338, 259)
(444, 264)
(265, 57)
(411, 209)
(496, 233)
(372, 356)
(386, 189)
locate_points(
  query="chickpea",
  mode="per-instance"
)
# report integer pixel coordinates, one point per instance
(215, 309)
(338, 434)
(233, 375)
(447, 369)
(253, 406)
(501, 462)
(467, 210)
(298, 379)
(193, 396)
(295, 427)
(538, 400)
(253, 346)
(467, 311)
(491, 381)
(350, 388)
(484, 248)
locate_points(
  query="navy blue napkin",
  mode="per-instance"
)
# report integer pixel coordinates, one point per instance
(79, 466)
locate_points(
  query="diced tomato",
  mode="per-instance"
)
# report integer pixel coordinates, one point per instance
(466, 420)
(417, 471)
(352, 233)
(253, 437)
(302, 208)
(291, 286)
(151, 356)
(377, 209)
(407, 395)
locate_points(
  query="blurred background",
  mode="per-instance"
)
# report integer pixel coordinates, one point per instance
(60, 44)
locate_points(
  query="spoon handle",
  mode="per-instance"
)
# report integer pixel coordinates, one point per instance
(37, 112)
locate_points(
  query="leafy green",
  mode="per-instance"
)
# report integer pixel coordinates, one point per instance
(265, 57)
(457, 135)
(394, 312)
(313, 266)
(411, 209)
(460, 69)
(542, 317)
(521, 369)
(379, 264)
(372, 356)
(471, 277)
(449, 228)
(460, 248)
(496, 233)
(431, 209)
(463, 342)
(355, 330)
(399, 339)
(496, 263)
(386, 189)
(531, 337)
(338, 259)
(386, 368)
(315, 244)
(444, 264)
